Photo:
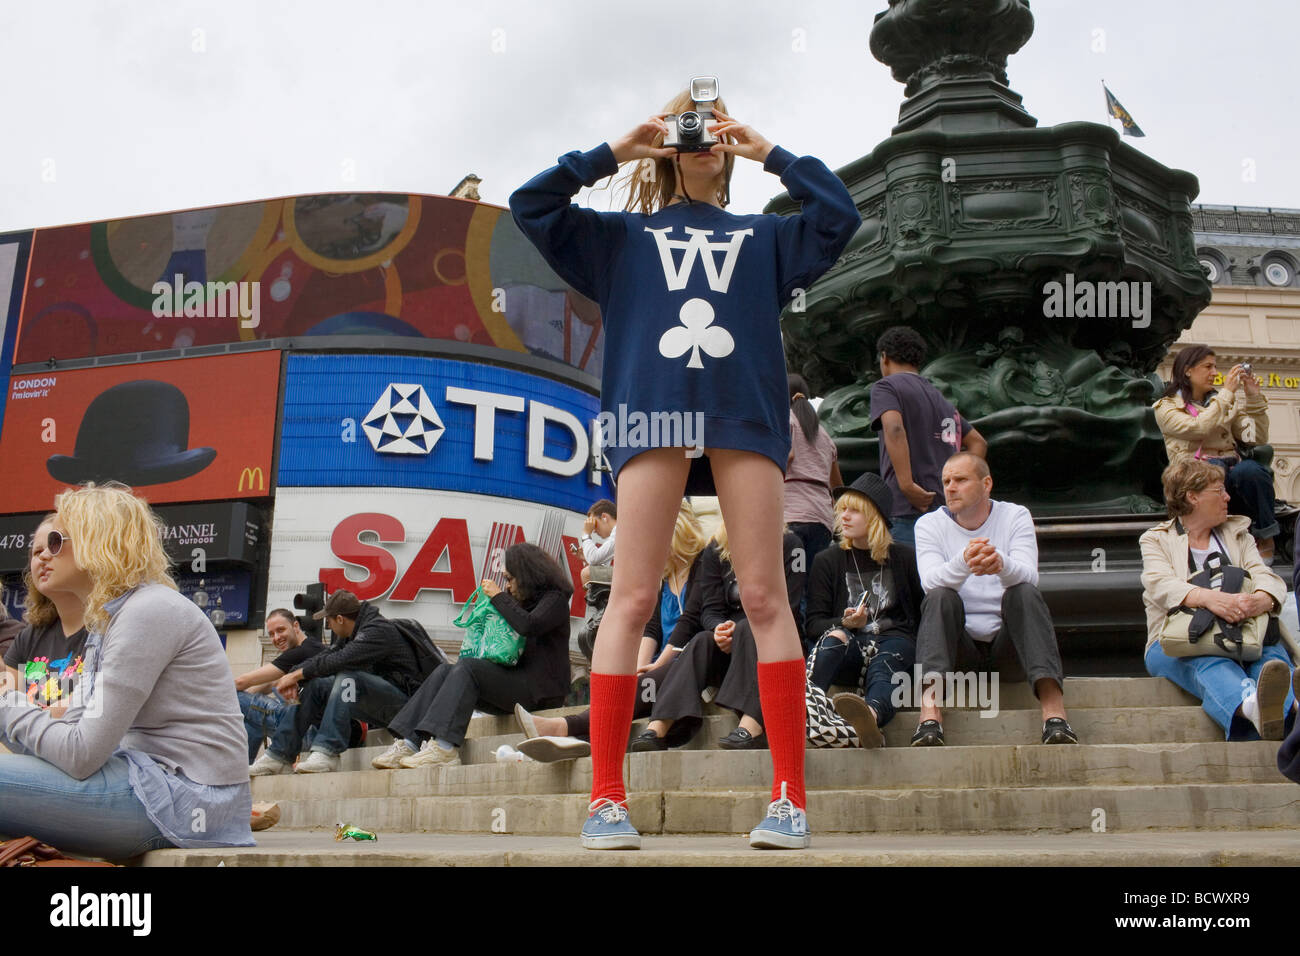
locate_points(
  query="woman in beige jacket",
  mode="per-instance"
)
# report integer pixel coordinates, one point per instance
(1248, 700)
(1199, 422)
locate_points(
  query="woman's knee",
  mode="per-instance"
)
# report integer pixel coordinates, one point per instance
(764, 601)
(631, 606)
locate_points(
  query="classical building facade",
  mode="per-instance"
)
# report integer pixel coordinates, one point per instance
(1253, 258)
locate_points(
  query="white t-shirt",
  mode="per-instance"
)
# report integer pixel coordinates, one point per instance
(940, 542)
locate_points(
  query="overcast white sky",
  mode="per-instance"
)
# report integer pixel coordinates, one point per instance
(123, 108)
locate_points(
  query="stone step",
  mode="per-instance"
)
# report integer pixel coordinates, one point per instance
(1080, 692)
(1131, 725)
(891, 768)
(1167, 848)
(1120, 809)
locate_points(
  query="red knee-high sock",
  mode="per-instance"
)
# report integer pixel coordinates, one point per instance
(612, 700)
(781, 693)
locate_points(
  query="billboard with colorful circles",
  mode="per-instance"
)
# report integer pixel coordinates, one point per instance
(388, 264)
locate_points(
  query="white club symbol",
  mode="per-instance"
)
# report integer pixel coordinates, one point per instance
(695, 334)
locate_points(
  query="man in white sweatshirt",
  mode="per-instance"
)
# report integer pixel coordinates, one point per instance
(978, 561)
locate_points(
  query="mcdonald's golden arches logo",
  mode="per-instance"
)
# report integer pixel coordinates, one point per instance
(252, 475)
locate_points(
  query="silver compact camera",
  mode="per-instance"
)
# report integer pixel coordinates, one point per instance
(688, 132)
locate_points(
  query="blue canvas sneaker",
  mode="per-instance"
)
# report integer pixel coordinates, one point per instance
(608, 828)
(784, 828)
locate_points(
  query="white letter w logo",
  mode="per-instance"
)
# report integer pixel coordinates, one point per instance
(698, 244)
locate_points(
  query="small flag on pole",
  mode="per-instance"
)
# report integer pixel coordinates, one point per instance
(1116, 109)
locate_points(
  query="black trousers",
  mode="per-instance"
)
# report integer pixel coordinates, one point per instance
(739, 688)
(1024, 647)
(447, 699)
(701, 664)
(647, 689)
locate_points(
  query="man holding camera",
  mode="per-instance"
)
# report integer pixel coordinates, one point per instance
(978, 561)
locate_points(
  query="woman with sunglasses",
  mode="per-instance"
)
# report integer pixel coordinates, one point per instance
(150, 752)
(47, 657)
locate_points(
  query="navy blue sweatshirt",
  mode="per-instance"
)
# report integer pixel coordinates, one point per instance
(691, 299)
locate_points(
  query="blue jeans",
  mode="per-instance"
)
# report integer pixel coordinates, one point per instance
(903, 530)
(1220, 684)
(841, 662)
(330, 704)
(262, 713)
(98, 816)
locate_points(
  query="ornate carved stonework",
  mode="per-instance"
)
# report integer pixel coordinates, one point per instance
(970, 216)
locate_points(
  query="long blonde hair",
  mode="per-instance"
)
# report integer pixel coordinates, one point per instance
(723, 542)
(878, 536)
(117, 541)
(688, 541)
(38, 610)
(652, 183)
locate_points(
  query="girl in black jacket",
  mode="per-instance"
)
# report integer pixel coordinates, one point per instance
(864, 603)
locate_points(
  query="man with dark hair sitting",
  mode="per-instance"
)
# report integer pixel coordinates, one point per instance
(261, 705)
(367, 674)
(978, 561)
(919, 429)
(598, 533)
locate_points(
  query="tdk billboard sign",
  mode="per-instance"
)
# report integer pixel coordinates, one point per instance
(412, 422)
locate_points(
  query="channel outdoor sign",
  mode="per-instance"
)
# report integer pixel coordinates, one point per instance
(416, 422)
(414, 553)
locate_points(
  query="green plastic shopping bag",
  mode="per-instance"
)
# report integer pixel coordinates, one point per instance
(487, 635)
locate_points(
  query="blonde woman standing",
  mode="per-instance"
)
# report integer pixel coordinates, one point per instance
(153, 733)
(691, 297)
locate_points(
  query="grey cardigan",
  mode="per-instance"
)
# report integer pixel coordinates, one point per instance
(161, 686)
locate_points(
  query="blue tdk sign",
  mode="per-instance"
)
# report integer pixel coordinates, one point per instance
(412, 422)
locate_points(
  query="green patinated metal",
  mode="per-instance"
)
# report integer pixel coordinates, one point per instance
(1048, 269)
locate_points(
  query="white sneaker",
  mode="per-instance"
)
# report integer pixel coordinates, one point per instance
(267, 764)
(391, 759)
(431, 755)
(318, 762)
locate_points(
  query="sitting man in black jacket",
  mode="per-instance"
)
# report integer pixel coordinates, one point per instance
(368, 674)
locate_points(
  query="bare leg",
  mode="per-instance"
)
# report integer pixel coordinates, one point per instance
(750, 491)
(551, 726)
(750, 724)
(649, 496)
(1050, 698)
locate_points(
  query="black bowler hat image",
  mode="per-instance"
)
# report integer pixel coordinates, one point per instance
(135, 433)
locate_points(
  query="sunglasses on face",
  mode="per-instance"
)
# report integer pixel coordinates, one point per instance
(54, 542)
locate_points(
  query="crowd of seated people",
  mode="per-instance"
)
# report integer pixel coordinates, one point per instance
(107, 635)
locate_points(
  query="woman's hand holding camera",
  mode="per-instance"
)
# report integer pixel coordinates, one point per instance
(748, 142)
(722, 636)
(490, 588)
(639, 142)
